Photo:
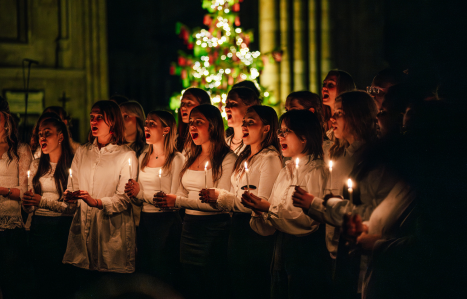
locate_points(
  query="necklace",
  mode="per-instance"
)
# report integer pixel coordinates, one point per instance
(199, 160)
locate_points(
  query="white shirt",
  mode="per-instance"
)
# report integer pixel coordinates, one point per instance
(102, 240)
(193, 181)
(282, 215)
(13, 175)
(48, 188)
(150, 183)
(240, 147)
(263, 171)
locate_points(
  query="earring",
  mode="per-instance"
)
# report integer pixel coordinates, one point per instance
(163, 135)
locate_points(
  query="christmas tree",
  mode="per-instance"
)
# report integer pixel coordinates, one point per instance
(219, 55)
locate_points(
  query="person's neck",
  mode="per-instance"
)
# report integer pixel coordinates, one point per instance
(55, 155)
(350, 139)
(103, 140)
(130, 138)
(255, 148)
(158, 149)
(238, 134)
(299, 156)
(206, 149)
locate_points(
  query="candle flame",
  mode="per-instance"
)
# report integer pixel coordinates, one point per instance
(349, 183)
(70, 172)
(29, 172)
(206, 166)
(246, 166)
(296, 162)
(129, 161)
(160, 172)
(330, 164)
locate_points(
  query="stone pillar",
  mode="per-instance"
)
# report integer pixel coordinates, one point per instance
(284, 44)
(300, 40)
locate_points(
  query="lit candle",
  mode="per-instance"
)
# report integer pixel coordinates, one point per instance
(349, 185)
(129, 167)
(296, 170)
(206, 175)
(247, 171)
(160, 179)
(71, 178)
(330, 175)
(29, 175)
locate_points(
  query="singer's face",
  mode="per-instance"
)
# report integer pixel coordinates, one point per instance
(253, 129)
(235, 110)
(329, 90)
(154, 130)
(99, 127)
(199, 128)
(49, 139)
(338, 122)
(188, 102)
(129, 120)
(291, 144)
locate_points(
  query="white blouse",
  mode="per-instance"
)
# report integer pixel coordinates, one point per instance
(150, 183)
(13, 175)
(193, 181)
(282, 214)
(48, 188)
(102, 240)
(263, 171)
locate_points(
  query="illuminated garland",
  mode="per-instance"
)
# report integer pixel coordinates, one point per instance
(221, 55)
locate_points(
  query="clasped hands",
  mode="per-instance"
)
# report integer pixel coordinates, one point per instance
(354, 230)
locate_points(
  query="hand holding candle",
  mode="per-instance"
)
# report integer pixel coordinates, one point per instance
(247, 173)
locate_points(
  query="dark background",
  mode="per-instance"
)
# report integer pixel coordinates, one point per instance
(425, 36)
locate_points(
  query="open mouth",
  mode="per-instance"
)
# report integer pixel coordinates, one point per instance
(147, 135)
(245, 135)
(184, 114)
(194, 135)
(94, 129)
(284, 146)
(43, 145)
(325, 96)
(229, 116)
(334, 128)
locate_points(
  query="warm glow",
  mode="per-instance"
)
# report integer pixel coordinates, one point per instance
(129, 162)
(349, 183)
(330, 165)
(70, 172)
(206, 166)
(296, 162)
(246, 166)
(160, 172)
(29, 172)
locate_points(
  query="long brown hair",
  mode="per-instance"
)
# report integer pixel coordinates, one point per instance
(219, 148)
(359, 114)
(64, 162)
(203, 99)
(11, 131)
(344, 83)
(113, 118)
(248, 96)
(308, 100)
(136, 110)
(268, 117)
(167, 120)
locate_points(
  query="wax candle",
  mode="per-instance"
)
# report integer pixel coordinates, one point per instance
(71, 178)
(129, 167)
(29, 187)
(349, 185)
(330, 175)
(296, 170)
(206, 175)
(160, 179)
(247, 172)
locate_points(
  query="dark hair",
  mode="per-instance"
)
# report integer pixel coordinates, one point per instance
(113, 118)
(167, 120)
(359, 114)
(219, 148)
(136, 109)
(248, 84)
(11, 131)
(306, 126)
(203, 99)
(397, 98)
(389, 76)
(34, 143)
(344, 83)
(119, 99)
(64, 162)
(308, 100)
(59, 111)
(268, 117)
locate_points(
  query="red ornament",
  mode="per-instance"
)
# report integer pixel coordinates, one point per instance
(181, 61)
(230, 80)
(236, 7)
(184, 74)
(172, 70)
(237, 21)
(207, 20)
(190, 46)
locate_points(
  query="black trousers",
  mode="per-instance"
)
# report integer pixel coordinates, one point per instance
(158, 243)
(203, 254)
(48, 240)
(250, 256)
(301, 266)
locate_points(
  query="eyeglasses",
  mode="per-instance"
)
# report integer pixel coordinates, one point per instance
(283, 133)
(375, 90)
